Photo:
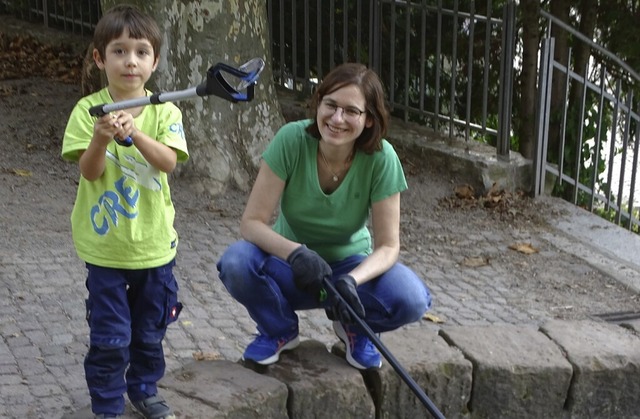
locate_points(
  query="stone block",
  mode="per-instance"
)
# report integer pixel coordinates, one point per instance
(606, 364)
(215, 390)
(224, 389)
(441, 371)
(518, 372)
(321, 385)
(470, 162)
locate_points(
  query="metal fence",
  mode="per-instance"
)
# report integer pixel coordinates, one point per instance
(446, 68)
(75, 16)
(588, 144)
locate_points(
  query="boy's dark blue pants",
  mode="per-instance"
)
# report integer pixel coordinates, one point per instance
(128, 312)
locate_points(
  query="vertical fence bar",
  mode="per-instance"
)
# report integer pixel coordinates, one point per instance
(307, 49)
(282, 43)
(359, 31)
(623, 158)
(472, 18)
(407, 60)
(503, 142)
(45, 13)
(438, 59)
(454, 67)
(579, 139)
(612, 142)
(375, 39)
(486, 65)
(634, 171)
(598, 141)
(392, 61)
(297, 77)
(345, 31)
(319, 67)
(332, 34)
(423, 48)
(545, 78)
(563, 122)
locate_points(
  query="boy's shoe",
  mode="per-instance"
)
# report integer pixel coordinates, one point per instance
(361, 353)
(154, 407)
(265, 350)
(106, 416)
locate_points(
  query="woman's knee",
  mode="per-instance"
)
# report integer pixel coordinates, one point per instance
(414, 295)
(233, 265)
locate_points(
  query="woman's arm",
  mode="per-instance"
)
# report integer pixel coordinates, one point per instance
(255, 225)
(385, 217)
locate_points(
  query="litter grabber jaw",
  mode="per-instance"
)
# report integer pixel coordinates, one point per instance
(426, 401)
(227, 82)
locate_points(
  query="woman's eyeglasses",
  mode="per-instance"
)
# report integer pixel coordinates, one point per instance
(350, 113)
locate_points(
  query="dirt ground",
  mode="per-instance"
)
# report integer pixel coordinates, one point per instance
(453, 229)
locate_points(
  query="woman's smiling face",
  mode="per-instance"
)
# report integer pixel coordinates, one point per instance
(342, 115)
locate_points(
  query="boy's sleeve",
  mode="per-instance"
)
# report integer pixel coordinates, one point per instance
(171, 131)
(78, 133)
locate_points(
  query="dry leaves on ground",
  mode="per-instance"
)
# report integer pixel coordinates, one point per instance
(498, 201)
(24, 56)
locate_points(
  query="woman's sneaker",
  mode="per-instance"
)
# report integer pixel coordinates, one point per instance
(265, 350)
(361, 353)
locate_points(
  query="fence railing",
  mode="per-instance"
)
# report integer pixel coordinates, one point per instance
(588, 132)
(446, 68)
(74, 16)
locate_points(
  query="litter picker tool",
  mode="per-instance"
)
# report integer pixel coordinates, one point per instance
(227, 82)
(431, 407)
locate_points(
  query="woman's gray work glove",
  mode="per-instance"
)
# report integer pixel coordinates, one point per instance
(309, 269)
(346, 286)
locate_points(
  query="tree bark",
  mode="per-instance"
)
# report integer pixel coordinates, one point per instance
(225, 139)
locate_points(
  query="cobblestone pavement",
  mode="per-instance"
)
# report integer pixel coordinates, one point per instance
(463, 253)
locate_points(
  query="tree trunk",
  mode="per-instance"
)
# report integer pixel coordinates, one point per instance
(225, 139)
(530, 48)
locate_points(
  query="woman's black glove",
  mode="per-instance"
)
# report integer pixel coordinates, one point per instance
(309, 269)
(337, 310)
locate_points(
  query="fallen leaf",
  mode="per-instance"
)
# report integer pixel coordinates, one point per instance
(22, 172)
(525, 248)
(206, 356)
(475, 261)
(465, 192)
(432, 318)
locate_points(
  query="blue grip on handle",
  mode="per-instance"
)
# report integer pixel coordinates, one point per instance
(127, 142)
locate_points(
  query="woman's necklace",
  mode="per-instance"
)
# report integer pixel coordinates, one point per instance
(335, 176)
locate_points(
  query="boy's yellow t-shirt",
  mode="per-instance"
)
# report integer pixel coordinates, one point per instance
(125, 218)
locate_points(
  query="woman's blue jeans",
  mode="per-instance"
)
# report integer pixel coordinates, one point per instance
(263, 283)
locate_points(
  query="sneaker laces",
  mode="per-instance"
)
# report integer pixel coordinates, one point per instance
(359, 343)
(266, 340)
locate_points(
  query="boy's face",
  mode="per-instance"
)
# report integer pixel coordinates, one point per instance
(128, 63)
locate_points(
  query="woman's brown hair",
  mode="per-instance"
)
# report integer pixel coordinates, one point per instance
(371, 87)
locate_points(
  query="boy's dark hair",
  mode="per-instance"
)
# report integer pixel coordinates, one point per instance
(369, 83)
(121, 17)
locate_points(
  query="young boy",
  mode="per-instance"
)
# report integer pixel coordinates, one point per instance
(122, 220)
